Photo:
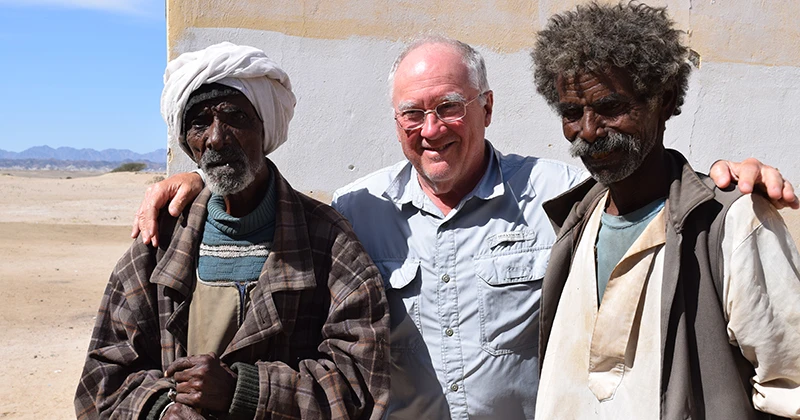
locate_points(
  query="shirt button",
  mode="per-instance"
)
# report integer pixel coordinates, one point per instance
(449, 332)
(445, 278)
(454, 387)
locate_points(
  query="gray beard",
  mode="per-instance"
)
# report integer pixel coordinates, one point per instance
(636, 149)
(228, 171)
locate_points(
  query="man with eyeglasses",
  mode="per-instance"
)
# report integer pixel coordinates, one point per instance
(459, 235)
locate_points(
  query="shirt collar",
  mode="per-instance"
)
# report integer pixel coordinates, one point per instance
(405, 188)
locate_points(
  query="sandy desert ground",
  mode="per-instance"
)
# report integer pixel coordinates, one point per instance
(59, 240)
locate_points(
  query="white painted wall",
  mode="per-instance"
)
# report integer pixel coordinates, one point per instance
(343, 127)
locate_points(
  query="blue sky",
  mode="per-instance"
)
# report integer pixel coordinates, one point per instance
(82, 73)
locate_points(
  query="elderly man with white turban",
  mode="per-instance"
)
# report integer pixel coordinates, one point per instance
(259, 302)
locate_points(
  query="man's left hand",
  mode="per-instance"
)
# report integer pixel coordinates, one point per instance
(752, 174)
(203, 382)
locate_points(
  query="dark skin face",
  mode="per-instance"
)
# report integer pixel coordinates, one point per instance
(230, 122)
(594, 105)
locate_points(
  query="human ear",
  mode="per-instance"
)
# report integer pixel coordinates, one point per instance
(489, 96)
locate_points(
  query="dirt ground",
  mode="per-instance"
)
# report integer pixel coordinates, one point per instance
(59, 240)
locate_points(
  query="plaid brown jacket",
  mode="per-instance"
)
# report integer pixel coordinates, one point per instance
(317, 328)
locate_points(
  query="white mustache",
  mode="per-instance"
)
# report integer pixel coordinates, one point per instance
(613, 141)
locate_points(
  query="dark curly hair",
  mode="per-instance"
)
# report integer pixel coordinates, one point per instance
(634, 37)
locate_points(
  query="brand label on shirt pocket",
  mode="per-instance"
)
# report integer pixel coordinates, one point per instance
(510, 237)
(508, 295)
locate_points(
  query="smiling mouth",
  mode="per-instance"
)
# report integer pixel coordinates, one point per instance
(438, 149)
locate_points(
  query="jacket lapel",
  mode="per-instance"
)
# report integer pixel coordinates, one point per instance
(558, 209)
(687, 192)
(566, 213)
(288, 268)
(176, 267)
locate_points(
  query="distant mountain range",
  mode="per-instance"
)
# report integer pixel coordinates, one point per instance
(69, 153)
(68, 158)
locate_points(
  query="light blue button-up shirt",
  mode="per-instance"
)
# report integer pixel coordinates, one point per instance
(464, 288)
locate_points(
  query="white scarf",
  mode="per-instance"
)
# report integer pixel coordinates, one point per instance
(244, 68)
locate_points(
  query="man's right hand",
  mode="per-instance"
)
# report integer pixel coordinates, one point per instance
(180, 188)
(179, 411)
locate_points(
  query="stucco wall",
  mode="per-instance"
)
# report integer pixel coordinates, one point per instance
(338, 54)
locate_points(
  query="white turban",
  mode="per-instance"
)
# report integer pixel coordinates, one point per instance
(243, 68)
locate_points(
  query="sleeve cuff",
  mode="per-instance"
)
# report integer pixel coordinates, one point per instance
(202, 174)
(161, 401)
(245, 398)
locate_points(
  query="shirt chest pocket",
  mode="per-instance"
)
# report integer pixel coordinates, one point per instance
(402, 284)
(509, 289)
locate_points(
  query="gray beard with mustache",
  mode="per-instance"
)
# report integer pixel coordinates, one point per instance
(635, 148)
(228, 170)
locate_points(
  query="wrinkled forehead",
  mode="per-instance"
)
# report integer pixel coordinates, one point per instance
(588, 87)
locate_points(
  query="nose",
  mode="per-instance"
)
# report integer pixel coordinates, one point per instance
(590, 127)
(216, 135)
(432, 127)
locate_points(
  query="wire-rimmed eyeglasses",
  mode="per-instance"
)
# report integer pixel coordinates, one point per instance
(446, 112)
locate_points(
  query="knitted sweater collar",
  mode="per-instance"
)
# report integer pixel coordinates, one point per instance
(261, 216)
